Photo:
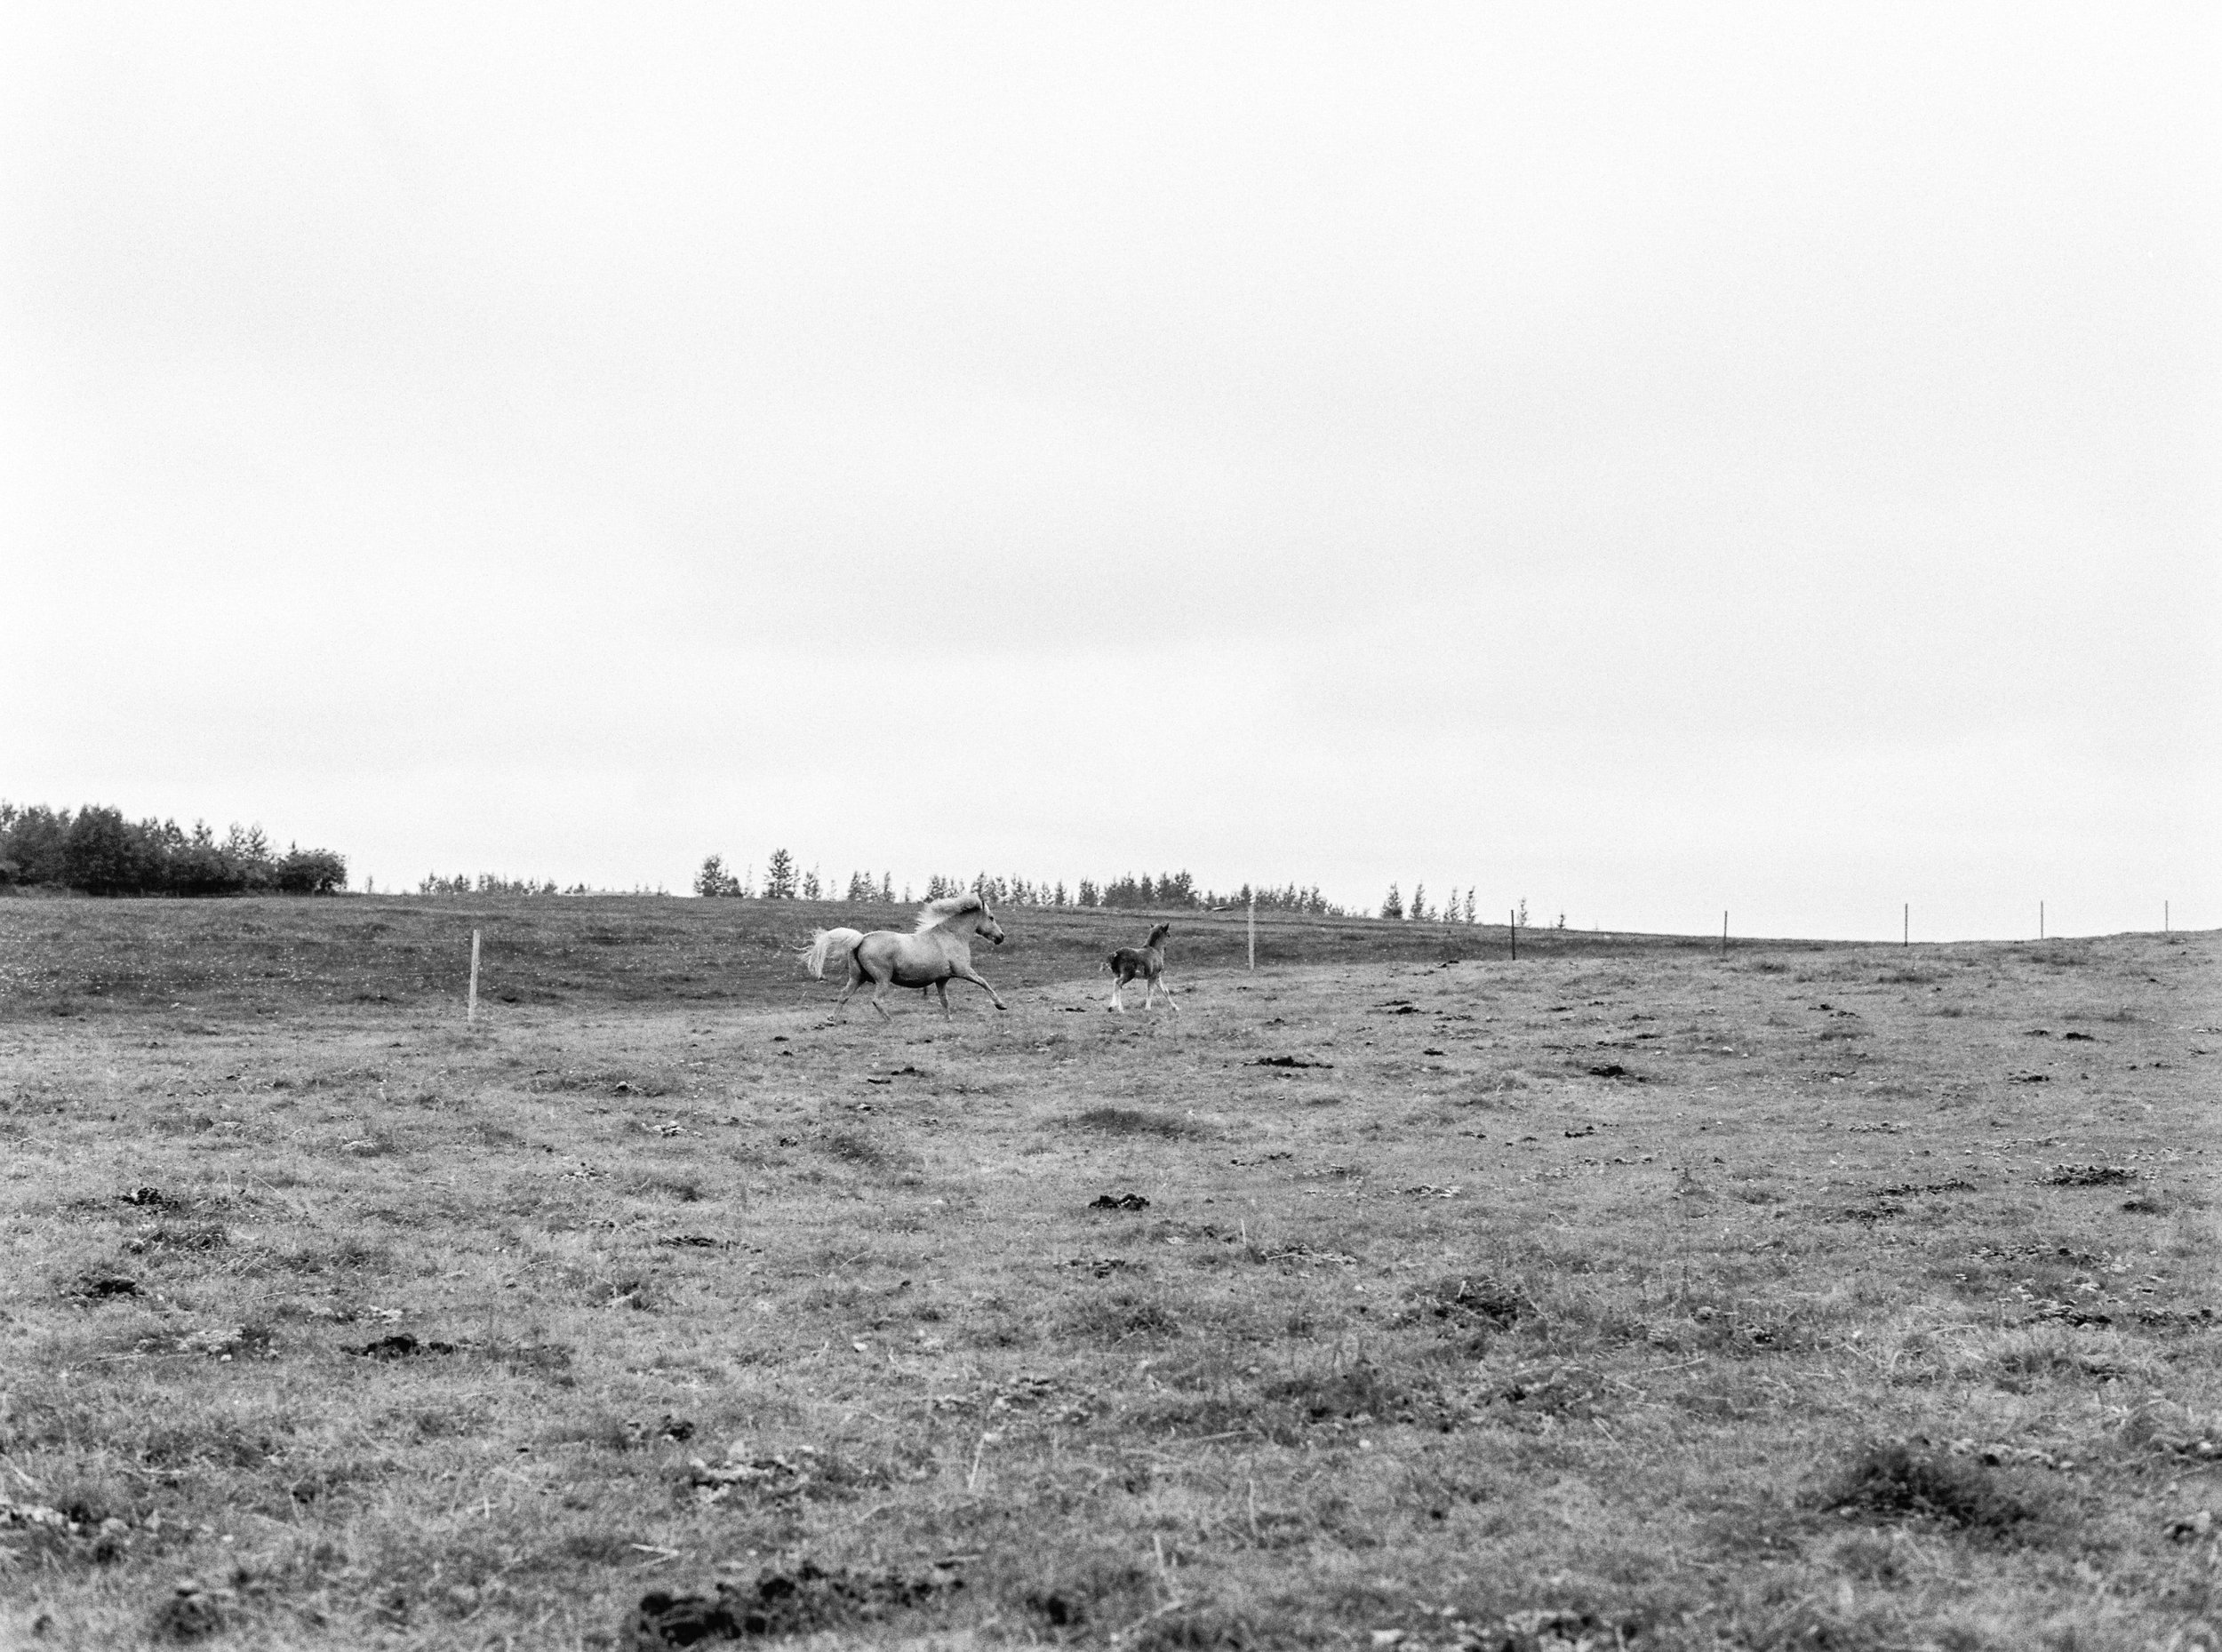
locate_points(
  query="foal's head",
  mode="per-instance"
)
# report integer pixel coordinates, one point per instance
(1157, 937)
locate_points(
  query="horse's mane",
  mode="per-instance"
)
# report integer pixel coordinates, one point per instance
(939, 914)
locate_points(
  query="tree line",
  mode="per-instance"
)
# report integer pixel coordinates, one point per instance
(785, 880)
(100, 852)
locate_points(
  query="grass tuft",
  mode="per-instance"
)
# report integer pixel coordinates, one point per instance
(1134, 1121)
(1900, 1482)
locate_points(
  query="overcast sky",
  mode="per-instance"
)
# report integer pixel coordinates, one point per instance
(1643, 460)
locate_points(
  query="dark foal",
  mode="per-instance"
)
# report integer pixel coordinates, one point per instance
(1147, 960)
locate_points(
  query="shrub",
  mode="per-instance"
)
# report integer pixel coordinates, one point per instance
(309, 871)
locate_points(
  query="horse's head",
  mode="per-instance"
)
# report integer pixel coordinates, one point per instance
(988, 925)
(1157, 935)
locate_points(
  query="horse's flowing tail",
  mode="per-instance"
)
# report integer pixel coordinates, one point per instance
(827, 945)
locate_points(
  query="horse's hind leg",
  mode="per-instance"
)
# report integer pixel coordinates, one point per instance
(855, 980)
(941, 987)
(1117, 1003)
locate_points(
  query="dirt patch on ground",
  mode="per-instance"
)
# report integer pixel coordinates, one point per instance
(400, 1345)
(1473, 1302)
(802, 1600)
(2088, 1176)
(1133, 1122)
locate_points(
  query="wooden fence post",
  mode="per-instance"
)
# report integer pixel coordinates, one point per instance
(471, 1013)
(1254, 929)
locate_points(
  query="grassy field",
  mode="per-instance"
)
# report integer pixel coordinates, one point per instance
(1397, 1294)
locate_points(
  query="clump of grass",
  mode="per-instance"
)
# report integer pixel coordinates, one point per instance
(2165, 1426)
(1900, 1482)
(187, 1236)
(1357, 1390)
(348, 1256)
(627, 1289)
(372, 1146)
(2019, 1358)
(1205, 1625)
(1474, 1303)
(1068, 1590)
(1121, 1316)
(1134, 1121)
(859, 1148)
(1493, 1087)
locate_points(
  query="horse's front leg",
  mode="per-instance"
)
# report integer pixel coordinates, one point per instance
(942, 987)
(975, 978)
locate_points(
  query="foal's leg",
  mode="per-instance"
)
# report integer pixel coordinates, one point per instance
(1118, 979)
(1165, 986)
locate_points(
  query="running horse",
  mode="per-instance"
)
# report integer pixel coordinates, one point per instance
(937, 951)
(831, 948)
(1147, 960)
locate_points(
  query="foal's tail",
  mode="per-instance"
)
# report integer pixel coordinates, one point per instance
(827, 945)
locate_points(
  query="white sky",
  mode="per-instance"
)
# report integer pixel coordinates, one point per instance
(1648, 461)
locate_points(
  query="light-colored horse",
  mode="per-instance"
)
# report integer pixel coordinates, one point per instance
(830, 948)
(940, 950)
(1147, 960)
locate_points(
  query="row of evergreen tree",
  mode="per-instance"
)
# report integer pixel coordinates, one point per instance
(97, 850)
(1417, 911)
(783, 879)
(1452, 911)
(493, 883)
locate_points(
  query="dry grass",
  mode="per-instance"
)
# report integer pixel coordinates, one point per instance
(1791, 1332)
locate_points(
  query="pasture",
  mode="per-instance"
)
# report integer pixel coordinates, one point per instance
(1630, 1295)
